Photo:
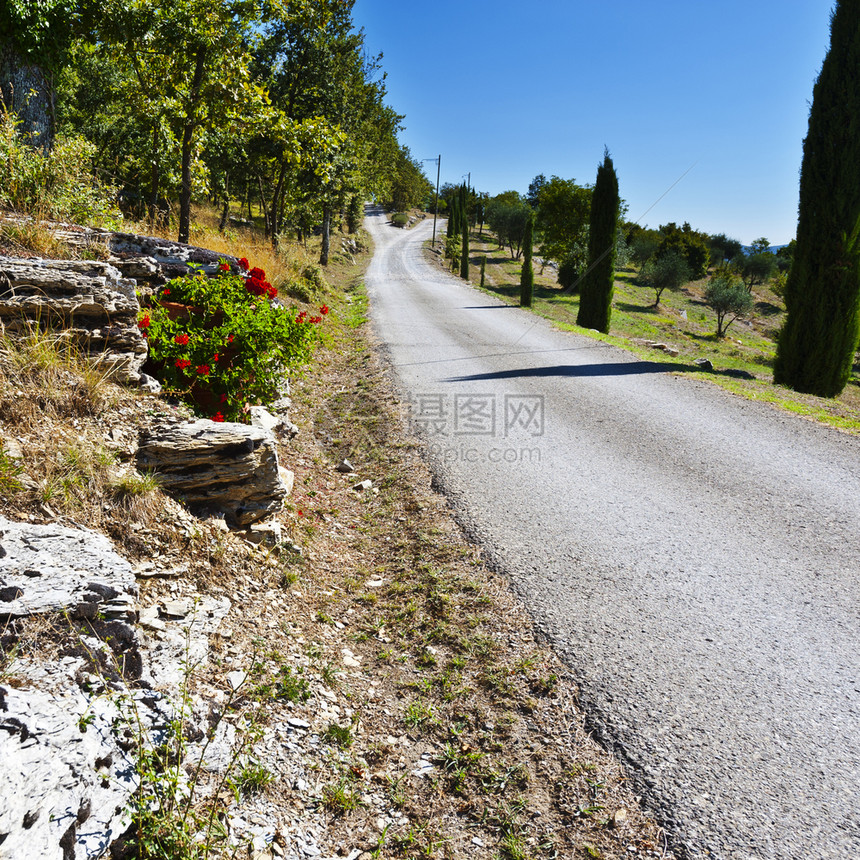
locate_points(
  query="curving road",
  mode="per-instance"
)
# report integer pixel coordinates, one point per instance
(693, 556)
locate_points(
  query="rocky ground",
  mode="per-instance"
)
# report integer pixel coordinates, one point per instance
(368, 687)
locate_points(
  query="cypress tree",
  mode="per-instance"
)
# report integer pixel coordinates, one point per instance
(464, 256)
(527, 277)
(816, 347)
(595, 303)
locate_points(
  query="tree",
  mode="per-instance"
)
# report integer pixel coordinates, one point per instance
(464, 254)
(668, 271)
(816, 347)
(755, 269)
(729, 298)
(723, 248)
(35, 39)
(507, 214)
(595, 303)
(562, 221)
(535, 187)
(690, 243)
(527, 277)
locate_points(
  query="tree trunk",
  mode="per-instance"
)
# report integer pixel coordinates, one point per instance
(28, 92)
(326, 234)
(274, 221)
(263, 205)
(154, 179)
(188, 130)
(225, 211)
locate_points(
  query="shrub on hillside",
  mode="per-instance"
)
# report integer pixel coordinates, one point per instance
(56, 185)
(399, 219)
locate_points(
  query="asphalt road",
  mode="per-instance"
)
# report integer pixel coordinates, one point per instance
(693, 556)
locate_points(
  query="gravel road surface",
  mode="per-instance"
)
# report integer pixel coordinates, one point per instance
(693, 556)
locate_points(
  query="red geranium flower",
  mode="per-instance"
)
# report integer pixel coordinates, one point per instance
(316, 320)
(144, 323)
(182, 363)
(181, 339)
(230, 338)
(218, 417)
(324, 310)
(273, 293)
(165, 291)
(203, 369)
(243, 263)
(215, 357)
(257, 273)
(223, 267)
(301, 317)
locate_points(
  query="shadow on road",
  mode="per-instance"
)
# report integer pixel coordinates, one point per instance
(618, 368)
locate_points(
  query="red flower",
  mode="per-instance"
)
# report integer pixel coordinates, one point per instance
(182, 363)
(230, 338)
(257, 273)
(223, 267)
(218, 417)
(144, 323)
(215, 357)
(273, 293)
(203, 369)
(301, 317)
(181, 339)
(324, 310)
(243, 264)
(301, 513)
(165, 291)
(316, 320)
(223, 398)
(255, 286)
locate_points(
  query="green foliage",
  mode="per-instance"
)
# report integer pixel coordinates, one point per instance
(723, 249)
(483, 269)
(756, 268)
(729, 298)
(563, 212)
(507, 215)
(464, 252)
(668, 271)
(400, 219)
(56, 185)
(527, 276)
(409, 186)
(816, 347)
(595, 306)
(569, 274)
(221, 343)
(692, 245)
(10, 470)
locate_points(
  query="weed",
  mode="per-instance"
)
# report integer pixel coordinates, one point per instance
(252, 779)
(339, 798)
(341, 736)
(417, 713)
(10, 470)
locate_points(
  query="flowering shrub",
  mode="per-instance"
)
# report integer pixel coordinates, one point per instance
(222, 344)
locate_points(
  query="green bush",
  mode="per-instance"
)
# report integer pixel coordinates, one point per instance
(399, 219)
(729, 298)
(57, 185)
(222, 344)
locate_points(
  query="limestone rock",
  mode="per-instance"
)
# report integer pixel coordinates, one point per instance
(50, 568)
(66, 781)
(216, 466)
(90, 301)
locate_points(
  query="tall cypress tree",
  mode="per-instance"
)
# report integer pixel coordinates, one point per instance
(595, 303)
(527, 276)
(816, 347)
(464, 255)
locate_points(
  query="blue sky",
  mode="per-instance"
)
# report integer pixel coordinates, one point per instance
(507, 90)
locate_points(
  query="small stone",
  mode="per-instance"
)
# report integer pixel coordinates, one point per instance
(175, 608)
(298, 723)
(703, 364)
(619, 817)
(670, 350)
(345, 466)
(363, 485)
(236, 679)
